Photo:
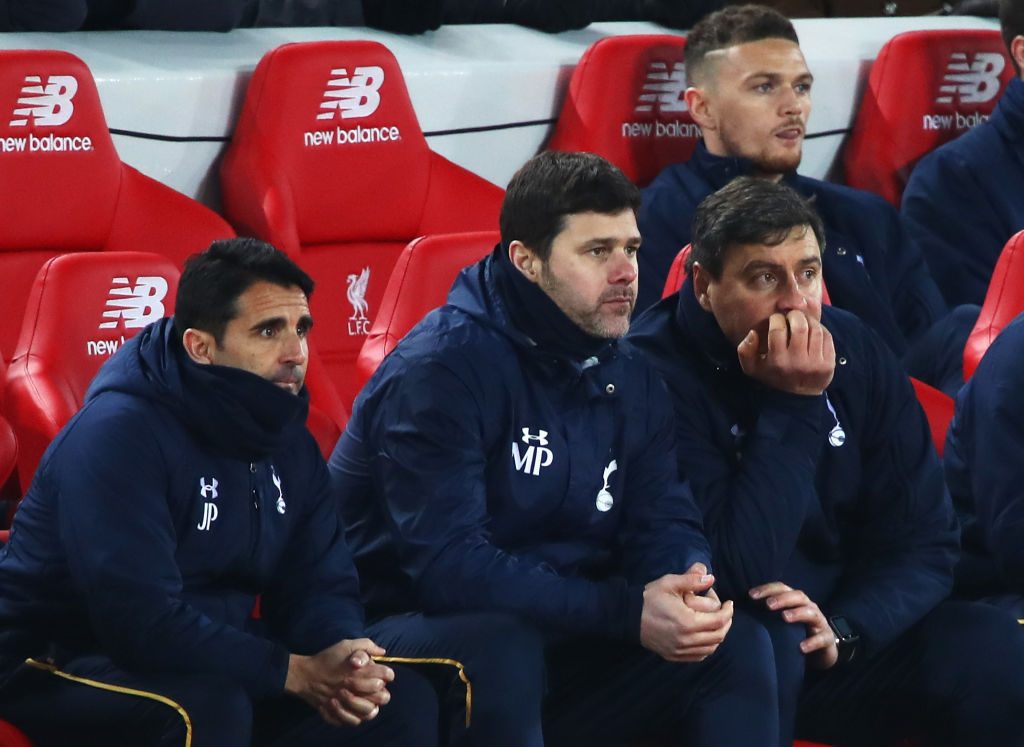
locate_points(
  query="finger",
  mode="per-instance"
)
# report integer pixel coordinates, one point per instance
(815, 339)
(364, 685)
(778, 333)
(374, 671)
(699, 568)
(809, 615)
(684, 582)
(798, 329)
(786, 599)
(357, 705)
(828, 347)
(699, 603)
(748, 351)
(766, 590)
(701, 639)
(696, 655)
(333, 712)
(818, 642)
(368, 646)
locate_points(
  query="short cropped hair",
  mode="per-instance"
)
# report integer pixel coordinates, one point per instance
(214, 279)
(747, 211)
(554, 185)
(1011, 21)
(734, 24)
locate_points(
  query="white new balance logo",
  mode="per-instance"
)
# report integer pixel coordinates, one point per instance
(353, 97)
(48, 105)
(663, 88)
(975, 82)
(136, 305)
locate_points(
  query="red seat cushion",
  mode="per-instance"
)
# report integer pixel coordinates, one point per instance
(419, 283)
(64, 187)
(10, 735)
(924, 89)
(64, 342)
(625, 103)
(1004, 300)
(329, 164)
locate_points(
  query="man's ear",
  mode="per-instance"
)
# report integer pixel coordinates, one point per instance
(701, 281)
(1017, 51)
(199, 345)
(525, 260)
(699, 104)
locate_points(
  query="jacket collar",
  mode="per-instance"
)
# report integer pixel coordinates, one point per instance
(720, 170)
(1008, 118)
(702, 330)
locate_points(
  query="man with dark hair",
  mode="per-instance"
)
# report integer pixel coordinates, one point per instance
(186, 486)
(963, 201)
(983, 470)
(821, 492)
(509, 480)
(750, 92)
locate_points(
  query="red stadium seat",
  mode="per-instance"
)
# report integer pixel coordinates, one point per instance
(66, 190)
(419, 283)
(1004, 300)
(63, 344)
(11, 736)
(329, 164)
(625, 103)
(938, 408)
(924, 89)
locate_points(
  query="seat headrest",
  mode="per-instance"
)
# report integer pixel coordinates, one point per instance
(1004, 300)
(925, 88)
(83, 307)
(334, 119)
(59, 171)
(625, 103)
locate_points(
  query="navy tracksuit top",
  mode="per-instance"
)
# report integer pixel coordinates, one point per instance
(840, 495)
(176, 495)
(483, 472)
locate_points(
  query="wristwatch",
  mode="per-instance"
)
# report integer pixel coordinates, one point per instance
(847, 641)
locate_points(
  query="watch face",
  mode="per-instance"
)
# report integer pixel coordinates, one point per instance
(841, 628)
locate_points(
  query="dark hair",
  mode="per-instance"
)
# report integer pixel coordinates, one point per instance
(734, 24)
(1011, 21)
(747, 211)
(214, 279)
(553, 185)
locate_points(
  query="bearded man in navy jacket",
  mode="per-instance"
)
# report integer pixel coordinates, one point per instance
(750, 92)
(966, 199)
(821, 492)
(509, 480)
(185, 486)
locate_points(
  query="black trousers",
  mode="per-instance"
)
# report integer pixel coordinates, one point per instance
(509, 685)
(955, 678)
(91, 702)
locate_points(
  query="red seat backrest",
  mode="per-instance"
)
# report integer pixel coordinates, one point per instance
(329, 164)
(419, 283)
(64, 187)
(81, 308)
(938, 408)
(10, 735)
(924, 89)
(1004, 300)
(625, 103)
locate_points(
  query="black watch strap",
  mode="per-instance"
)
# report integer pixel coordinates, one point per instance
(847, 640)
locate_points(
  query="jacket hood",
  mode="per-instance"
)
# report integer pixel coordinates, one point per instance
(234, 412)
(494, 293)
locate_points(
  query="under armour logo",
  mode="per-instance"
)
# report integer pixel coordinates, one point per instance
(281, 506)
(975, 82)
(352, 97)
(533, 458)
(49, 105)
(208, 489)
(541, 437)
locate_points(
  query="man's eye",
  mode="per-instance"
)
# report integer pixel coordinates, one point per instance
(803, 87)
(764, 88)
